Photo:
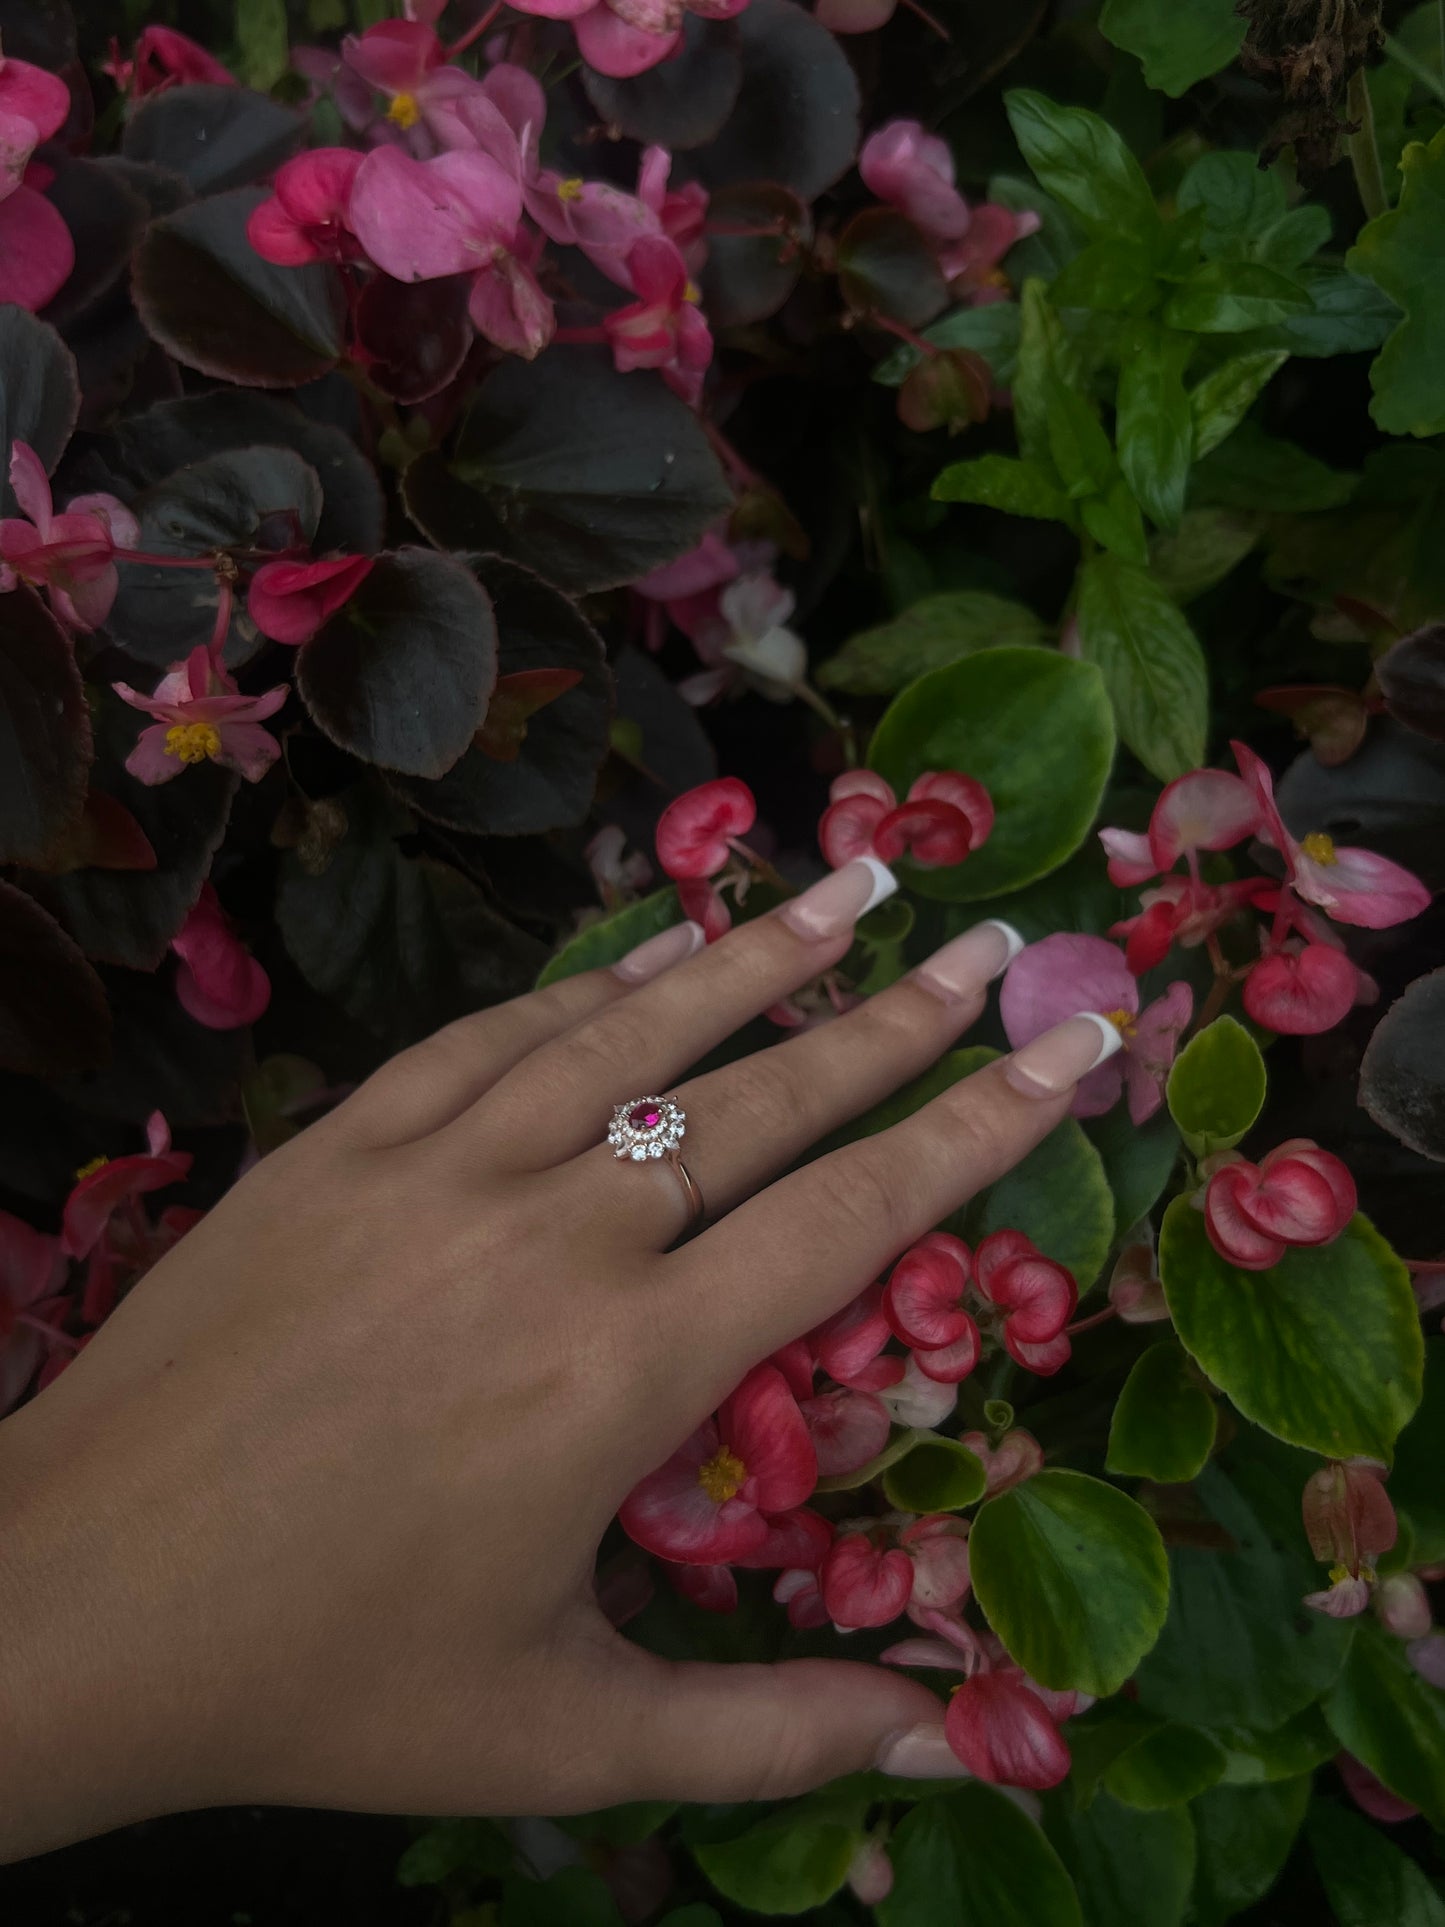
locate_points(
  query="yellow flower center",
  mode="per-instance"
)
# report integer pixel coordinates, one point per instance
(404, 111)
(1319, 848)
(1123, 1021)
(89, 1170)
(571, 188)
(193, 742)
(722, 1476)
(692, 292)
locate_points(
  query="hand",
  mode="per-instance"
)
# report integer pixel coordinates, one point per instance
(314, 1517)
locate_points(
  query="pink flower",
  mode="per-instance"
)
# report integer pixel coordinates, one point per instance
(1403, 1606)
(703, 904)
(621, 38)
(797, 1590)
(938, 1546)
(1183, 910)
(1298, 1195)
(945, 815)
(1350, 1522)
(924, 1304)
(32, 1270)
(1003, 1732)
(1427, 1657)
(849, 1345)
(164, 58)
(847, 1427)
(1016, 1457)
(201, 716)
(34, 105)
(36, 251)
(681, 212)
(709, 1504)
(72, 555)
(1350, 885)
(405, 62)
(289, 601)
(663, 329)
(1035, 1296)
(865, 1581)
(1135, 1291)
(219, 982)
(306, 216)
(110, 1184)
(1063, 975)
(1207, 809)
(697, 830)
(870, 1872)
(1301, 989)
(1370, 1795)
(912, 171)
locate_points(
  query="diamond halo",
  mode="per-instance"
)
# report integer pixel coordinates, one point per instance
(646, 1127)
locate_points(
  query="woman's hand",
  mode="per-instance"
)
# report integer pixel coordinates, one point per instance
(314, 1518)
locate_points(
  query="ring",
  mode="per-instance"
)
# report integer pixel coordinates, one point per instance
(653, 1127)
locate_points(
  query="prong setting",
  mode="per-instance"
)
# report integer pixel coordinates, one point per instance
(646, 1127)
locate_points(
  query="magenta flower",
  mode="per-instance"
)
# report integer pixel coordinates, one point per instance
(847, 1427)
(1032, 1299)
(32, 1270)
(36, 251)
(218, 981)
(306, 216)
(1015, 1457)
(1001, 1724)
(681, 212)
(164, 58)
(865, 1580)
(912, 171)
(621, 38)
(289, 601)
(34, 105)
(663, 328)
(72, 556)
(202, 717)
(1063, 975)
(695, 832)
(945, 815)
(111, 1184)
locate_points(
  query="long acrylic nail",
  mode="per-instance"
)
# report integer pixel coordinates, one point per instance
(835, 904)
(963, 966)
(671, 946)
(920, 1753)
(1049, 1065)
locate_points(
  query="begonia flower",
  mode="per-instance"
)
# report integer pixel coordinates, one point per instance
(622, 38)
(218, 981)
(72, 555)
(1008, 1462)
(202, 717)
(289, 601)
(1349, 1522)
(709, 1504)
(912, 171)
(1370, 1794)
(306, 217)
(1064, 975)
(1402, 1606)
(32, 1270)
(944, 817)
(681, 211)
(917, 1399)
(697, 830)
(870, 1872)
(112, 1183)
(847, 1427)
(1035, 1298)
(849, 1346)
(161, 58)
(937, 1544)
(1003, 1732)
(1297, 1195)
(37, 253)
(865, 1581)
(664, 328)
(34, 105)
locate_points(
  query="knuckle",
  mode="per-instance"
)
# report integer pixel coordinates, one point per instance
(777, 1104)
(863, 1189)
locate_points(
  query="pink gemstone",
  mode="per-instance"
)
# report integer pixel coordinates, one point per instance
(644, 1117)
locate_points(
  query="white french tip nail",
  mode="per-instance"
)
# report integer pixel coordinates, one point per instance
(1110, 1037)
(884, 883)
(1011, 937)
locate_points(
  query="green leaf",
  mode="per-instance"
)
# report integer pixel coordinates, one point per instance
(1348, 315)
(929, 634)
(938, 1475)
(1138, 1160)
(1177, 45)
(1299, 1746)
(1369, 1881)
(1084, 164)
(1239, 201)
(603, 942)
(1131, 1869)
(1220, 400)
(1044, 253)
(1202, 551)
(1258, 471)
(1000, 482)
(1243, 1836)
(1216, 1087)
(588, 476)
(1415, 1484)
(477, 1849)
(1400, 252)
(789, 1861)
(1238, 1650)
(1165, 1768)
(1164, 1422)
(262, 36)
(1230, 297)
(1045, 356)
(1323, 1349)
(991, 331)
(970, 1858)
(1152, 664)
(1073, 1578)
(1155, 428)
(625, 1826)
(1114, 275)
(1383, 1712)
(1059, 1196)
(1034, 727)
(572, 1897)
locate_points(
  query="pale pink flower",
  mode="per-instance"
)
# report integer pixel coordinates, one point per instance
(72, 555)
(200, 716)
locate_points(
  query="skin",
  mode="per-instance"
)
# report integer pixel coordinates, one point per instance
(313, 1519)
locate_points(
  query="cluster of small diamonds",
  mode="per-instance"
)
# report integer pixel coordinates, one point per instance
(630, 1137)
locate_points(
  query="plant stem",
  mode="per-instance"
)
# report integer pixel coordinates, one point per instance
(928, 19)
(475, 31)
(1088, 1324)
(910, 335)
(1417, 70)
(1364, 150)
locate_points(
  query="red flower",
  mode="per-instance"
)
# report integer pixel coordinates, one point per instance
(1302, 989)
(289, 601)
(219, 982)
(306, 216)
(113, 1182)
(924, 1299)
(709, 1503)
(1298, 1195)
(1036, 1297)
(863, 1582)
(1003, 1732)
(704, 905)
(696, 830)
(849, 1345)
(944, 816)
(664, 328)
(847, 1427)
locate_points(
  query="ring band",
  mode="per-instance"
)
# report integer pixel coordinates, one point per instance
(654, 1127)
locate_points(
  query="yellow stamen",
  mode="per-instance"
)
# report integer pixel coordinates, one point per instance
(193, 742)
(571, 188)
(89, 1170)
(1319, 848)
(721, 1478)
(1123, 1021)
(404, 111)
(1338, 1574)
(691, 292)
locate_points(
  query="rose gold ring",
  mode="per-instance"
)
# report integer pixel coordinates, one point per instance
(654, 1127)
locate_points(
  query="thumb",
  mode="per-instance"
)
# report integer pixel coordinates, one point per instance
(687, 1731)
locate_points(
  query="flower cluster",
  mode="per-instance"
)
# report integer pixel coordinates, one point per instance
(1298, 1195)
(944, 817)
(943, 1300)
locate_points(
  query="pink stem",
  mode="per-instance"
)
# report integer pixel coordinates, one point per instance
(892, 327)
(928, 19)
(729, 457)
(475, 31)
(1088, 1324)
(224, 603)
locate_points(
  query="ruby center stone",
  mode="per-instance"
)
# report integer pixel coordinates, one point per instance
(644, 1117)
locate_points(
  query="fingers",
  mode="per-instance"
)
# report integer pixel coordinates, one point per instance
(422, 1089)
(697, 1732)
(844, 1218)
(558, 1102)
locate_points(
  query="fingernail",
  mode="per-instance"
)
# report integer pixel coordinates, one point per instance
(671, 946)
(922, 1753)
(1048, 1066)
(835, 904)
(962, 967)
